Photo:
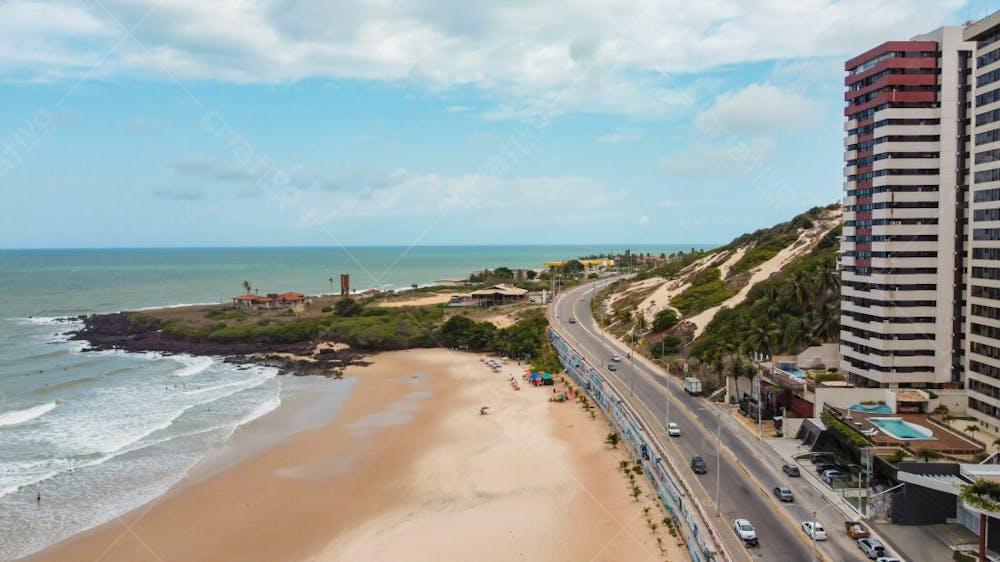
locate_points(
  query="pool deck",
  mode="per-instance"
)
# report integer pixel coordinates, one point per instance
(944, 441)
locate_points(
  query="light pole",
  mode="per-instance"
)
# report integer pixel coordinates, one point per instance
(668, 394)
(814, 536)
(718, 463)
(760, 406)
(631, 361)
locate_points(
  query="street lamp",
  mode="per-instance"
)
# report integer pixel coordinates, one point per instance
(718, 461)
(718, 458)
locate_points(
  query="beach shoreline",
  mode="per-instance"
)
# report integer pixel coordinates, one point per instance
(405, 467)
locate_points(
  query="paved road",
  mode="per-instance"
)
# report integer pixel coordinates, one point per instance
(742, 455)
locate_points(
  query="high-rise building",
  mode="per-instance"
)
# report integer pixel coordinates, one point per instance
(904, 221)
(983, 312)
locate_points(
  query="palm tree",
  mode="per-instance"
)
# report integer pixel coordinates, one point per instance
(972, 428)
(996, 442)
(927, 454)
(613, 439)
(827, 279)
(247, 286)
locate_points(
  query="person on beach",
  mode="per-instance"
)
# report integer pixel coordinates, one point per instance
(38, 498)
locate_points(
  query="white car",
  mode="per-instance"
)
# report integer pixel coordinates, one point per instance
(887, 559)
(815, 530)
(616, 358)
(744, 529)
(673, 429)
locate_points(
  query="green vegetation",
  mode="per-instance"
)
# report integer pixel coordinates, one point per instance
(856, 439)
(794, 309)
(664, 320)
(613, 439)
(223, 314)
(827, 377)
(707, 290)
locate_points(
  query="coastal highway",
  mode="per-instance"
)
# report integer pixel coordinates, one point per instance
(747, 473)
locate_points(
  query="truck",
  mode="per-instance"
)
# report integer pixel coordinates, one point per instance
(692, 386)
(856, 530)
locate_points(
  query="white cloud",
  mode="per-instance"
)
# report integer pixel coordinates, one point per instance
(457, 108)
(180, 193)
(620, 136)
(264, 173)
(758, 109)
(618, 56)
(717, 160)
(644, 220)
(560, 198)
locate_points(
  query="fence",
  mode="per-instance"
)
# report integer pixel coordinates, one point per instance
(702, 543)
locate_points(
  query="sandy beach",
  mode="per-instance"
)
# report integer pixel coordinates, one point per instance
(407, 469)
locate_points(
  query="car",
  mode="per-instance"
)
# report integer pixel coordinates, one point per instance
(612, 367)
(673, 429)
(872, 548)
(744, 530)
(572, 320)
(815, 530)
(887, 559)
(698, 465)
(616, 358)
(856, 530)
(816, 458)
(829, 476)
(783, 493)
(791, 470)
(823, 466)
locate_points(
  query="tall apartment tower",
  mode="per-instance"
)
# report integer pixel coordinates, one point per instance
(904, 222)
(983, 312)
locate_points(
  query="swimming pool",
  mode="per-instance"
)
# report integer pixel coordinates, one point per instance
(876, 409)
(897, 428)
(795, 372)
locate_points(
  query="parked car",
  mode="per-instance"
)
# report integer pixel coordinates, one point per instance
(673, 429)
(783, 493)
(790, 469)
(856, 530)
(872, 548)
(834, 475)
(616, 358)
(815, 530)
(745, 531)
(816, 458)
(823, 466)
(698, 465)
(612, 367)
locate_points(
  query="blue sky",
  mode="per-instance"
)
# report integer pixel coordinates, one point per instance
(189, 123)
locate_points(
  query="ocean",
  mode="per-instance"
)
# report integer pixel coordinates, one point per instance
(97, 434)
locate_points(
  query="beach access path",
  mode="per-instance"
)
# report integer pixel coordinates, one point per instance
(406, 469)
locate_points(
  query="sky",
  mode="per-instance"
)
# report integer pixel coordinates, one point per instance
(175, 123)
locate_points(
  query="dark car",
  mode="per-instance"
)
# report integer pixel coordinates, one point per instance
(790, 469)
(816, 458)
(698, 465)
(783, 493)
(572, 320)
(822, 467)
(612, 367)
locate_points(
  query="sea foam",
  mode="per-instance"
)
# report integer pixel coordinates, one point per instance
(16, 417)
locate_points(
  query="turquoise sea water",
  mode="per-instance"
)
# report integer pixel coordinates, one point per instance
(98, 434)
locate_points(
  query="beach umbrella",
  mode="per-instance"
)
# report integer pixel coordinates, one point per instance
(546, 377)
